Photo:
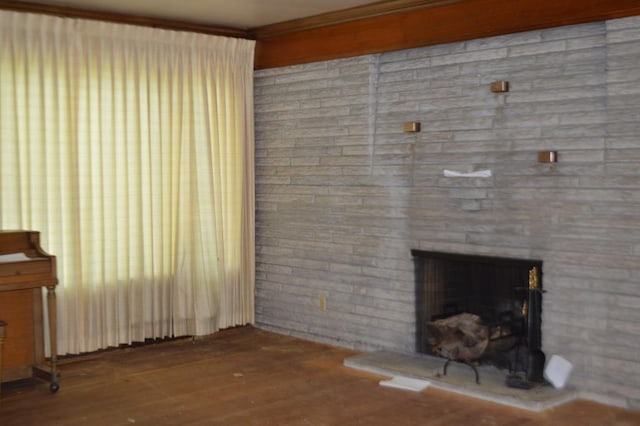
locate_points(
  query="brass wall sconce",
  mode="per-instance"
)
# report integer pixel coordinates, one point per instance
(547, 157)
(412, 127)
(500, 86)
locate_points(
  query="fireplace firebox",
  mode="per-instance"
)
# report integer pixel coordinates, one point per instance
(481, 309)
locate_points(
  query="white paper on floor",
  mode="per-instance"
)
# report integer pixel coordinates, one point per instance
(407, 383)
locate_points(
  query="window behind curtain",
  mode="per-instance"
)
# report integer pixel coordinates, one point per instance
(131, 150)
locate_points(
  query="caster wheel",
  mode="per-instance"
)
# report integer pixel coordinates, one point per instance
(54, 387)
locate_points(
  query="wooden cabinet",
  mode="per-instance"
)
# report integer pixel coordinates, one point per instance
(25, 269)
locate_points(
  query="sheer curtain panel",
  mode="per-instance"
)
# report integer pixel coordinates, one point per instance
(131, 149)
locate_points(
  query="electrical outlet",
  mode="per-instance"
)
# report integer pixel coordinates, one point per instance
(323, 303)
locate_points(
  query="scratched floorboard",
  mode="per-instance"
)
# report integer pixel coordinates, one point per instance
(246, 376)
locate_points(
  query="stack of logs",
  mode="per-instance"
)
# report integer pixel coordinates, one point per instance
(465, 337)
(462, 337)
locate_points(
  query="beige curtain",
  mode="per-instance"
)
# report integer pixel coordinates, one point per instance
(131, 150)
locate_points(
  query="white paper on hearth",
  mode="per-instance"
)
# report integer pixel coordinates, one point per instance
(557, 371)
(406, 383)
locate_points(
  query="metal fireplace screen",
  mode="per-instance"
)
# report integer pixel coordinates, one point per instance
(493, 292)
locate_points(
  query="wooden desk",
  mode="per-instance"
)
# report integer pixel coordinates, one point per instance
(24, 270)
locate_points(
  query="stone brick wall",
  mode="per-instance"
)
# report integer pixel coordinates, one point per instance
(343, 193)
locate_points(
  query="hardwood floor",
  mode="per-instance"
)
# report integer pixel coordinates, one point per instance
(246, 376)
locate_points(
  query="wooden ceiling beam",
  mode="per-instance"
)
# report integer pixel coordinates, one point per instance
(422, 25)
(380, 8)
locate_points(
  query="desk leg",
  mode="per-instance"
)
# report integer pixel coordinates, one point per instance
(3, 325)
(53, 337)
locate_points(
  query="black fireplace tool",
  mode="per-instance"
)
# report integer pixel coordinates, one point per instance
(532, 311)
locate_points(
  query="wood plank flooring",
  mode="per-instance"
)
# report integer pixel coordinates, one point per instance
(246, 376)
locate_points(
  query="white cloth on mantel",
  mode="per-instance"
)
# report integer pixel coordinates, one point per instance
(478, 173)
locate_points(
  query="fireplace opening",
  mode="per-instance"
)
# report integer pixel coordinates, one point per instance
(481, 310)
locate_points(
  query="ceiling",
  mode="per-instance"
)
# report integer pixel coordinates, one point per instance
(241, 14)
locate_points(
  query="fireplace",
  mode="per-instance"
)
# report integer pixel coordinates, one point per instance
(494, 302)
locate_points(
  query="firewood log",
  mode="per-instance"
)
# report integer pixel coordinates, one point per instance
(462, 337)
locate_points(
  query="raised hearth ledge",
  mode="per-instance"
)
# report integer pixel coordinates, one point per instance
(460, 379)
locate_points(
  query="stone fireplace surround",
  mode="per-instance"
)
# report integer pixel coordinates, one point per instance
(490, 287)
(343, 194)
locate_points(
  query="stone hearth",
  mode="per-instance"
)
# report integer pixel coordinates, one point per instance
(460, 379)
